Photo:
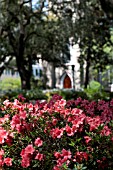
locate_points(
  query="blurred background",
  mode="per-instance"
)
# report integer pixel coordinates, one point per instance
(63, 46)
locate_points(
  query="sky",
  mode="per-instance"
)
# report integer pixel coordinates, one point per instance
(34, 2)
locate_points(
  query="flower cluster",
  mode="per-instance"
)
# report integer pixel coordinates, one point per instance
(56, 135)
(7, 160)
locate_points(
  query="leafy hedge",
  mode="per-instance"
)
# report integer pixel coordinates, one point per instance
(28, 94)
(66, 94)
(36, 94)
(89, 94)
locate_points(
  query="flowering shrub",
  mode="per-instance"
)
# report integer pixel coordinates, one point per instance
(57, 135)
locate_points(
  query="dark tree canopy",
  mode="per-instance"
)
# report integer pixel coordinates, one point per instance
(107, 6)
(27, 32)
(93, 31)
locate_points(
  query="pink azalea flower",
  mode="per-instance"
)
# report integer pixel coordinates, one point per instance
(62, 103)
(7, 103)
(93, 122)
(3, 135)
(23, 114)
(20, 97)
(25, 162)
(79, 156)
(76, 111)
(1, 152)
(1, 161)
(87, 139)
(56, 168)
(106, 131)
(9, 140)
(57, 155)
(69, 130)
(38, 142)
(39, 156)
(29, 149)
(15, 121)
(4, 119)
(56, 133)
(54, 121)
(66, 154)
(8, 161)
(22, 152)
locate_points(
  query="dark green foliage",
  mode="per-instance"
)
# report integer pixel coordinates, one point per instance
(89, 94)
(67, 94)
(29, 95)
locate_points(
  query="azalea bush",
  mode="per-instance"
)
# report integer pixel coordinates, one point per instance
(56, 135)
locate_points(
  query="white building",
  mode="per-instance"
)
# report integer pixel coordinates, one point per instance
(69, 77)
(9, 73)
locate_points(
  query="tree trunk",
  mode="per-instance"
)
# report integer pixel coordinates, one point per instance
(53, 76)
(99, 78)
(81, 73)
(73, 76)
(24, 65)
(25, 82)
(25, 76)
(23, 62)
(87, 68)
(25, 72)
(44, 74)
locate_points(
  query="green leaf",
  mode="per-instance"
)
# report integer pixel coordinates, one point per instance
(72, 143)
